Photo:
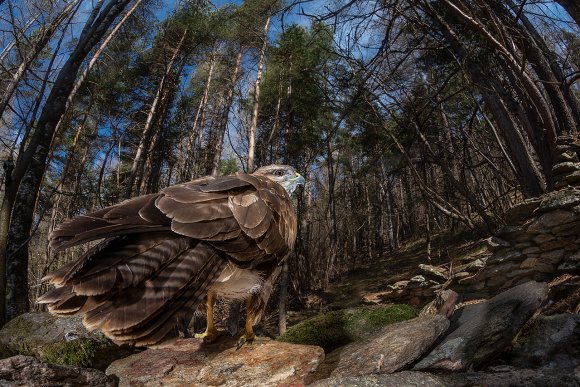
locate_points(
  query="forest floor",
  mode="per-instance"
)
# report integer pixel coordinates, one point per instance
(365, 284)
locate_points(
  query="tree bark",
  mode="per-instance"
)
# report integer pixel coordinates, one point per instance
(97, 54)
(256, 102)
(138, 161)
(283, 298)
(37, 153)
(222, 125)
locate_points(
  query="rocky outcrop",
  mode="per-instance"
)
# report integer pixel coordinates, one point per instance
(507, 378)
(484, 330)
(58, 340)
(540, 243)
(391, 349)
(541, 240)
(29, 371)
(188, 362)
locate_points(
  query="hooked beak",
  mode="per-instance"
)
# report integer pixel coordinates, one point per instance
(297, 179)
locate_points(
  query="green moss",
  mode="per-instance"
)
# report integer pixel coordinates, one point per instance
(80, 352)
(337, 328)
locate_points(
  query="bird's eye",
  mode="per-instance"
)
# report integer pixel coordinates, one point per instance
(279, 172)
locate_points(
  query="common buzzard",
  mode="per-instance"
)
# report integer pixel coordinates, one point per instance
(162, 254)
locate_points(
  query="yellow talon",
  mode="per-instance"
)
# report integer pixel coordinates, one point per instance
(209, 336)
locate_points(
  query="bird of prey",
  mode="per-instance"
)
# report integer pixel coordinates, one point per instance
(162, 254)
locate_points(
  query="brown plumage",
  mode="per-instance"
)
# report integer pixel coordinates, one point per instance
(162, 254)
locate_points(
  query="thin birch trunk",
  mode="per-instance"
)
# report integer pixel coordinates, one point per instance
(256, 104)
(138, 160)
(223, 120)
(97, 54)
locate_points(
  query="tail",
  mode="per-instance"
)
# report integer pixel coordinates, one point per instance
(139, 289)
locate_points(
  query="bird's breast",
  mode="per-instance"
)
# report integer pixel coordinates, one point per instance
(237, 284)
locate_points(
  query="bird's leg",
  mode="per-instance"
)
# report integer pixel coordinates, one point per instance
(248, 335)
(211, 333)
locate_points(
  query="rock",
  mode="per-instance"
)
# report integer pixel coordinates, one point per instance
(392, 348)
(511, 231)
(434, 271)
(529, 263)
(478, 264)
(567, 156)
(498, 280)
(418, 279)
(483, 330)
(542, 238)
(523, 245)
(531, 250)
(399, 285)
(573, 178)
(571, 263)
(571, 228)
(562, 199)
(461, 275)
(334, 329)
(189, 362)
(58, 340)
(443, 304)
(549, 220)
(528, 378)
(555, 244)
(522, 210)
(565, 167)
(559, 184)
(494, 243)
(552, 257)
(550, 342)
(29, 371)
(505, 255)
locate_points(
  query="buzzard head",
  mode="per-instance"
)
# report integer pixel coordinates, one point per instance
(284, 175)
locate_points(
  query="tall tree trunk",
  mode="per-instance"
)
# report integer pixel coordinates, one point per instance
(138, 162)
(333, 226)
(222, 125)
(97, 54)
(256, 102)
(34, 161)
(195, 135)
(529, 175)
(283, 298)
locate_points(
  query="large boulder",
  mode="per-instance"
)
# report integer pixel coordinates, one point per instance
(188, 362)
(29, 371)
(392, 348)
(550, 342)
(59, 341)
(486, 329)
(334, 329)
(508, 378)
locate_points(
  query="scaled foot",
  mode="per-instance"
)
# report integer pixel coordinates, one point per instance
(247, 337)
(209, 336)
